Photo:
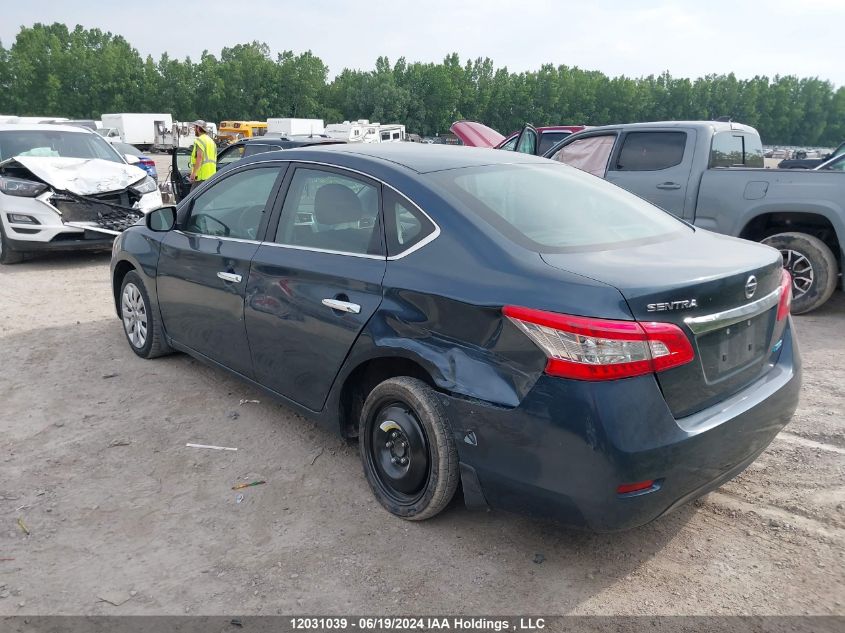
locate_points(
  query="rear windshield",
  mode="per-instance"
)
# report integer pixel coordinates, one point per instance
(55, 144)
(556, 208)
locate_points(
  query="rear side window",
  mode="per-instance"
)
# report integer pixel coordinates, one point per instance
(651, 151)
(588, 154)
(553, 209)
(547, 139)
(735, 149)
(325, 210)
(406, 226)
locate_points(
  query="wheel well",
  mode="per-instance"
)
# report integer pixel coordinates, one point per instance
(120, 271)
(364, 379)
(769, 224)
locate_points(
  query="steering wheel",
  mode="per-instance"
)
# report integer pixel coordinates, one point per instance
(201, 222)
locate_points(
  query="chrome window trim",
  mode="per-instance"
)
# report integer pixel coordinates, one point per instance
(434, 235)
(215, 237)
(323, 250)
(717, 320)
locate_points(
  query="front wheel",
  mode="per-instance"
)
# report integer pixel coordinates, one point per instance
(407, 448)
(812, 265)
(7, 255)
(140, 323)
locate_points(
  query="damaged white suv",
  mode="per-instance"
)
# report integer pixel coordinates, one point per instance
(65, 188)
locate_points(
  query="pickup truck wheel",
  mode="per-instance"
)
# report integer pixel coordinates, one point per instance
(7, 255)
(140, 322)
(408, 450)
(812, 265)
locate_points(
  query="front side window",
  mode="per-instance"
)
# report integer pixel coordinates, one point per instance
(551, 208)
(510, 144)
(405, 225)
(230, 155)
(234, 206)
(527, 142)
(588, 154)
(258, 148)
(651, 151)
(326, 210)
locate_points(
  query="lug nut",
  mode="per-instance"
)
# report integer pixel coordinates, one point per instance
(394, 435)
(388, 444)
(394, 460)
(403, 461)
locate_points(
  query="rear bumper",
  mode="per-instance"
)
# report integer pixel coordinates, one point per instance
(562, 453)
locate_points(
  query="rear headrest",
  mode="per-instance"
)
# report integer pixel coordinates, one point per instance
(336, 204)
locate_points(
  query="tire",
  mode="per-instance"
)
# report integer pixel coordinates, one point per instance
(141, 324)
(812, 265)
(403, 419)
(7, 255)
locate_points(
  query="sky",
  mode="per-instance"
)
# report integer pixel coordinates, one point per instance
(624, 37)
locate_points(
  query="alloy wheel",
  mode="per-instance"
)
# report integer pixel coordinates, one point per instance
(801, 270)
(134, 313)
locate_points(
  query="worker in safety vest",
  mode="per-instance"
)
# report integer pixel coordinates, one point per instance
(203, 156)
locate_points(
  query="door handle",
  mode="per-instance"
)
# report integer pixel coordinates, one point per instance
(668, 185)
(343, 306)
(234, 278)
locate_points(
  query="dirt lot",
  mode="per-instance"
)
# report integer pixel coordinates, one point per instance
(93, 461)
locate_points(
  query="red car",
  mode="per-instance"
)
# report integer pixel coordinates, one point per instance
(529, 140)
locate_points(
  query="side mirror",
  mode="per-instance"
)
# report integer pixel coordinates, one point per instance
(162, 219)
(132, 160)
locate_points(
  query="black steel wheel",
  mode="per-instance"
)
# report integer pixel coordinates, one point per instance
(407, 449)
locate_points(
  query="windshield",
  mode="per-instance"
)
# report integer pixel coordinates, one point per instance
(556, 208)
(55, 144)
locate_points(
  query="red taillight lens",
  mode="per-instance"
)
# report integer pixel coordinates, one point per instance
(623, 489)
(600, 349)
(785, 302)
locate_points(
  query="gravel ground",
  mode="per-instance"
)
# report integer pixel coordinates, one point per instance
(102, 503)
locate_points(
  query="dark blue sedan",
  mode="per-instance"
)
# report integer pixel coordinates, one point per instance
(550, 342)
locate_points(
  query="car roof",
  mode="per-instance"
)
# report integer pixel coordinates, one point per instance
(34, 127)
(418, 157)
(291, 138)
(716, 126)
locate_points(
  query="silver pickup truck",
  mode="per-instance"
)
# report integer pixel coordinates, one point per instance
(711, 174)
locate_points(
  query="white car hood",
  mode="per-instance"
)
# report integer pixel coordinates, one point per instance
(82, 176)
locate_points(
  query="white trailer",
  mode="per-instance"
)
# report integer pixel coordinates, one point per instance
(136, 128)
(289, 127)
(363, 131)
(179, 134)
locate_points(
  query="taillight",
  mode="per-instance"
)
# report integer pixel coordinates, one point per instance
(601, 349)
(785, 302)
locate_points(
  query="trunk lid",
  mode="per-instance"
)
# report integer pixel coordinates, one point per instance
(701, 282)
(475, 134)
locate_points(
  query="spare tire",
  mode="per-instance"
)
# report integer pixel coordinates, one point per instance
(812, 265)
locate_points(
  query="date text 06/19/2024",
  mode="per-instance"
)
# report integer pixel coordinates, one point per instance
(417, 623)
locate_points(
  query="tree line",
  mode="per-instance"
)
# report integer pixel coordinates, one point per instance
(50, 70)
